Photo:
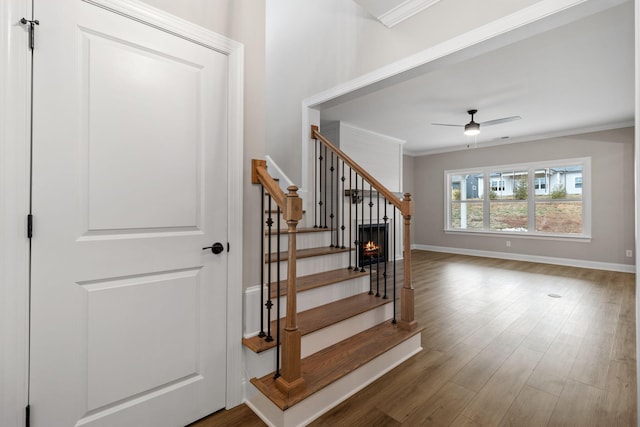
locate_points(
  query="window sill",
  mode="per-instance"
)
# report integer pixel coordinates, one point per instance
(582, 238)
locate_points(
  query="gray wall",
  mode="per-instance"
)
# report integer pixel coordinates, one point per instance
(612, 196)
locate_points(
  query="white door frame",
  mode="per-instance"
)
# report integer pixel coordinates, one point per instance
(14, 188)
(14, 207)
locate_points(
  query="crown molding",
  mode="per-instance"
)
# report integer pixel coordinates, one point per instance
(404, 11)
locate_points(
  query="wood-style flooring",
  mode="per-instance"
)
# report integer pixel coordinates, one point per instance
(506, 343)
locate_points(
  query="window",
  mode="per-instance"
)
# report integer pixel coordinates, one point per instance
(497, 185)
(530, 199)
(466, 195)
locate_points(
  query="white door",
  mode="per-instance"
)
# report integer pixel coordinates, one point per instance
(129, 184)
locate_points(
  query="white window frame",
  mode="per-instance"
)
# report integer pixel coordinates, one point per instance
(531, 167)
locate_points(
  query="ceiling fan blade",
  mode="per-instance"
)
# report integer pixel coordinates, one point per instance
(446, 124)
(500, 121)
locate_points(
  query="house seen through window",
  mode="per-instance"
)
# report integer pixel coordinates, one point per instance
(533, 198)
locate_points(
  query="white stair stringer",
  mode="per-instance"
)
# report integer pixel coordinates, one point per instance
(322, 401)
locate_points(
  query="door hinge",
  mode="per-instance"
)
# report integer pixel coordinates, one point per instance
(32, 29)
(228, 246)
(29, 226)
(27, 416)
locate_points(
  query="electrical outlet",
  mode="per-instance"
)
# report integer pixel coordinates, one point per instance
(629, 253)
(508, 243)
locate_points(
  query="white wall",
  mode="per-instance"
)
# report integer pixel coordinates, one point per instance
(612, 197)
(314, 45)
(378, 154)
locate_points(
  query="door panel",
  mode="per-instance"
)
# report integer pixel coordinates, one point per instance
(129, 184)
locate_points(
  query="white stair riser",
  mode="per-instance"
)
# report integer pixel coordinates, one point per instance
(323, 338)
(315, 239)
(322, 401)
(306, 300)
(328, 294)
(260, 364)
(313, 265)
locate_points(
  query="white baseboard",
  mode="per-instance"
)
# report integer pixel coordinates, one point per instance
(624, 268)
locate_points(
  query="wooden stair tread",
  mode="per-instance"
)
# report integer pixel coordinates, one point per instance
(285, 230)
(305, 253)
(321, 317)
(312, 281)
(332, 363)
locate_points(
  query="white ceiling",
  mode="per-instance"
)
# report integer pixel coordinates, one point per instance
(571, 79)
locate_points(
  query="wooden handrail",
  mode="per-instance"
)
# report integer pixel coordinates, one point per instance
(259, 175)
(405, 206)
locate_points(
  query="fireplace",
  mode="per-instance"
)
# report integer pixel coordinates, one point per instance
(372, 244)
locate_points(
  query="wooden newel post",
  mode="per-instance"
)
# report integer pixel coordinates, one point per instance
(407, 319)
(290, 376)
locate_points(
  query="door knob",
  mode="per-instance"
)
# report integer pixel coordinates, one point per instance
(216, 248)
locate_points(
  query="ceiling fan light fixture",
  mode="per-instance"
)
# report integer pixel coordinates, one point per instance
(472, 128)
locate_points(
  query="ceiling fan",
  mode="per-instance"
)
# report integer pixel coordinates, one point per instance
(473, 128)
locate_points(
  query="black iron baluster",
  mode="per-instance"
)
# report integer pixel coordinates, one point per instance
(395, 213)
(370, 237)
(354, 199)
(315, 184)
(278, 297)
(325, 187)
(262, 231)
(349, 203)
(341, 196)
(378, 243)
(386, 246)
(269, 303)
(361, 247)
(320, 159)
(331, 197)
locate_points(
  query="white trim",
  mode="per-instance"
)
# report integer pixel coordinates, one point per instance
(172, 24)
(530, 167)
(521, 235)
(164, 21)
(14, 206)
(235, 215)
(404, 11)
(596, 265)
(277, 173)
(366, 133)
(637, 190)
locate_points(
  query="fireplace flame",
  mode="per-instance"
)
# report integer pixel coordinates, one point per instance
(370, 248)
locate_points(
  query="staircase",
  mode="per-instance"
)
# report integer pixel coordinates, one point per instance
(336, 321)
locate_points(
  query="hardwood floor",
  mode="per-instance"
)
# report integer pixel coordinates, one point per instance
(500, 351)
